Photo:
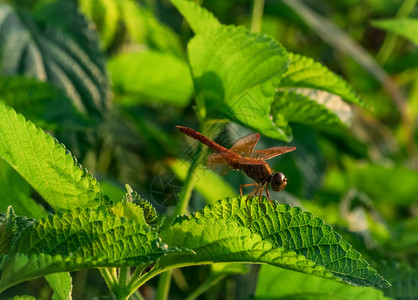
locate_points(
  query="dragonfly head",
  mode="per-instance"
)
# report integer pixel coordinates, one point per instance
(278, 182)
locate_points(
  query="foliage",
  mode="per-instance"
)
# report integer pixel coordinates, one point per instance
(110, 79)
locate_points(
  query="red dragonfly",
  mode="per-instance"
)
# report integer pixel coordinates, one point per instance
(242, 156)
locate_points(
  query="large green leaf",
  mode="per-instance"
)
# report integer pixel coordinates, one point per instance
(274, 283)
(273, 234)
(235, 71)
(304, 72)
(151, 76)
(406, 27)
(45, 164)
(72, 240)
(55, 44)
(292, 229)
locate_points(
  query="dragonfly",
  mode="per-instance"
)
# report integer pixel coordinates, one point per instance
(242, 156)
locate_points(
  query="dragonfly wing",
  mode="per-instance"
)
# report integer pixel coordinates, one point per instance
(217, 163)
(271, 152)
(245, 145)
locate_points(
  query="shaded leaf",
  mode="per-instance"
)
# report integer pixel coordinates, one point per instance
(404, 281)
(45, 164)
(274, 283)
(67, 57)
(406, 27)
(42, 103)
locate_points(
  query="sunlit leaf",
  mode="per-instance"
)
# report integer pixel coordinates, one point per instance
(275, 234)
(74, 240)
(61, 284)
(140, 24)
(45, 164)
(295, 107)
(235, 71)
(146, 76)
(304, 72)
(14, 190)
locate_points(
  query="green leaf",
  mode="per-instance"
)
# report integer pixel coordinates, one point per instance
(74, 240)
(304, 72)
(45, 164)
(294, 107)
(61, 284)
(406, 27)
(291, 229)
(199, 19)
(14, 190)
(65, 55)
(146, 76)
(274, 234)
(41, 102)
(235, 71)
(206, 180)
(274, 283)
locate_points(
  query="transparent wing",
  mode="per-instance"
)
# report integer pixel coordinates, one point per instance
(217, 163)
(271, 152)
(245, 145)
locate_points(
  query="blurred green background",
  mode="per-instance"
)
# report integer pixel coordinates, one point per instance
(110, 80)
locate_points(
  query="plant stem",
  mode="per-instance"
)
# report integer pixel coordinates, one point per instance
(109, 279)
(391, 38)
(123, 275)
(257, 17)
(164, 285)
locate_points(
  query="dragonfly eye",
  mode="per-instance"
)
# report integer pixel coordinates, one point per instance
(278, 182)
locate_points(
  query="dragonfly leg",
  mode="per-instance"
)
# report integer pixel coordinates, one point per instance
(268, 197)
(244, 185)
(255, 189)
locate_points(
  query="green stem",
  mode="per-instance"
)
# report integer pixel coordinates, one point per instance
(123, 276)
(164, 285)
(257, 17)
(391, 38)
(205, 286)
